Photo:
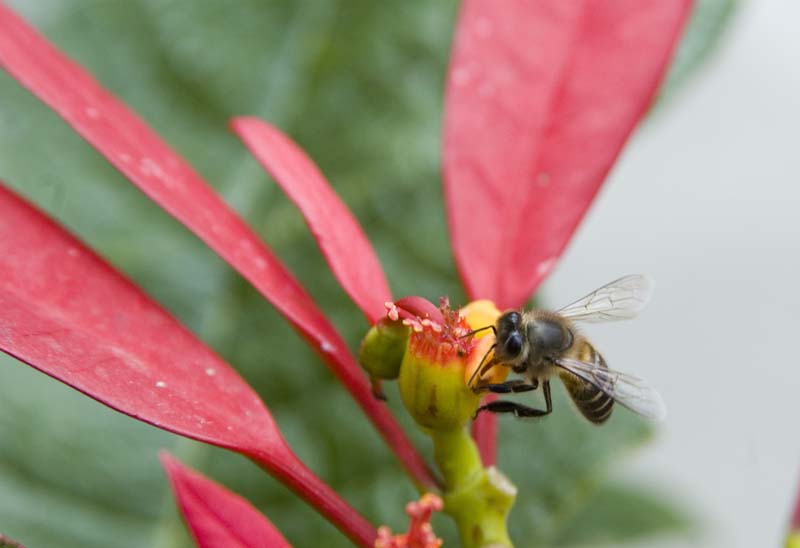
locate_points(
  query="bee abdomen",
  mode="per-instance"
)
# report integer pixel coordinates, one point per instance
(593, 403)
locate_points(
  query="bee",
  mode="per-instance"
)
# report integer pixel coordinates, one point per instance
(540, 344)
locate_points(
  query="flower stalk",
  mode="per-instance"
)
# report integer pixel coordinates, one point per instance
(477, 498)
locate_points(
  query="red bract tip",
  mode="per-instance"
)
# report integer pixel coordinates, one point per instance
(216, 517)
(149, 163)
(540, 98)
(420, 532)
(341, 239)
(70, 315)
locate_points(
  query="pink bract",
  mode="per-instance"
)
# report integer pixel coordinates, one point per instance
(540, 98)
(345, 246)
(216, 517)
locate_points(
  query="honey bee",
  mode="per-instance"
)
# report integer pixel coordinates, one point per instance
(540, 344)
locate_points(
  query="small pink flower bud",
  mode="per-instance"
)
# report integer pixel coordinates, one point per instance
(420, 532)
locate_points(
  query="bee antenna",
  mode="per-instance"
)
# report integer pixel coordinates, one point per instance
(471, 333)
(480, 367)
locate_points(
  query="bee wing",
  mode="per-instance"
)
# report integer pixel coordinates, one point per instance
(621, 299)
(630, 391)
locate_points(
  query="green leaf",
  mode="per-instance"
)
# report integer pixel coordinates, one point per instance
(359, 84)
(559, 462)
(618, 513)
(73, 472)
(703, 35)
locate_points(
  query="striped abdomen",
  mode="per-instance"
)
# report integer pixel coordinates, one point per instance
(593, 404)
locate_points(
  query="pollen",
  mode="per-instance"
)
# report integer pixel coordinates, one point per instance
(391, 311)
(441, 342)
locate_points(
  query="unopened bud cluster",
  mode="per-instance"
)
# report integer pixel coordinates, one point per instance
(420, 533)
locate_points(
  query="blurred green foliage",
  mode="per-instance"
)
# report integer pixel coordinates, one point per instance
(358, 84)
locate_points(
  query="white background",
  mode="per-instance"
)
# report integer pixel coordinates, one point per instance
(707, 200)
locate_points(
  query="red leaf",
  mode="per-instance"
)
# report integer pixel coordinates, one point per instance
(343, 243)
(133, 148)
(794, 523)
(541, 97)
(6, 542)
(484, 432)
(67, 313)
(217, 517)
(71, 315)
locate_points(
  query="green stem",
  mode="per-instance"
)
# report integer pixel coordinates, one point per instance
(477, 498)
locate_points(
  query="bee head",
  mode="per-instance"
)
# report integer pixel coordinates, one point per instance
(510, 340)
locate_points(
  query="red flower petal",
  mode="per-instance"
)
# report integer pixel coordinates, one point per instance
(340, 238)
(541, 96)
(69, 314)
(217, 517)
(133, 148)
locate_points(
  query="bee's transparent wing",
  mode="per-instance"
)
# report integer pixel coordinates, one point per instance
(621, 299)
(630, 391)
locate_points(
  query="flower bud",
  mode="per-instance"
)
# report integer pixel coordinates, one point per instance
(382, 349)
(420, 532)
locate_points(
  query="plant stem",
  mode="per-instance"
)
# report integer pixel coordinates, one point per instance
(477, 498)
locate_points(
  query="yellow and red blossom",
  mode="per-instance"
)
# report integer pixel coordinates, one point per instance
(440, 356)
(420, 532)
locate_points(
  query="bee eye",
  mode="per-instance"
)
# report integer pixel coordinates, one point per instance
(513, 345)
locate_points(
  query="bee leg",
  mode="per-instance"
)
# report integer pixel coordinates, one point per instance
(548, 402)
(516, 385)
(519, 410)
